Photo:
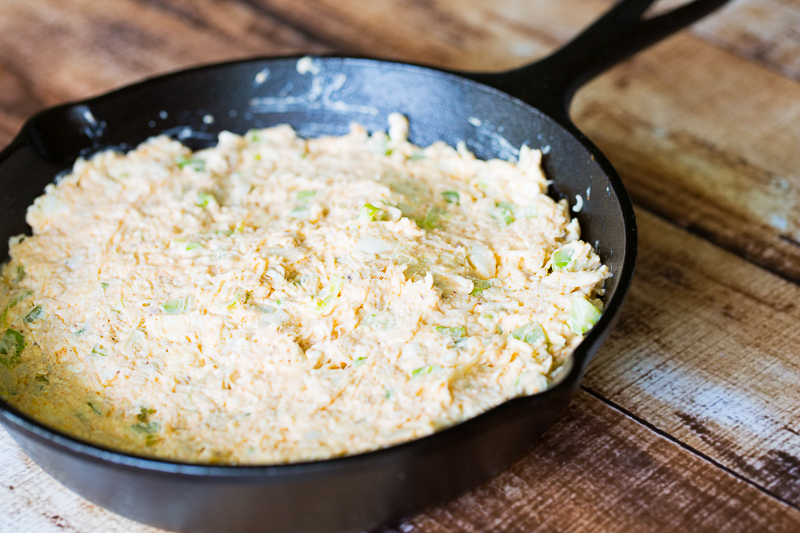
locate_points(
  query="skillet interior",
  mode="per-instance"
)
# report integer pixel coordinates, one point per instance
(355, 492)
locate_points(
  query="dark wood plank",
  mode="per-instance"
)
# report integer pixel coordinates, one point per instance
(92, 47)
(597, 470)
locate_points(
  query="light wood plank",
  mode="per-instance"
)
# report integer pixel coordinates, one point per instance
(706, 350)
(32, 501)
(594, 471)
(763, 31)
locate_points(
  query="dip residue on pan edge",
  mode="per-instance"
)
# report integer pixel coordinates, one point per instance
(275, 299)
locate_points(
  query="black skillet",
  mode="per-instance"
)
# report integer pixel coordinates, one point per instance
(493, 113)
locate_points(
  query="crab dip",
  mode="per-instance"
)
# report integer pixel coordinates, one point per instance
(277, 299)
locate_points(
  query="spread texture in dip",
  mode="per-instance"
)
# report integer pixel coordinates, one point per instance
(275, 299)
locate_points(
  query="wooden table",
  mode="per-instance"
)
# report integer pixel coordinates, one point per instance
(688, 417)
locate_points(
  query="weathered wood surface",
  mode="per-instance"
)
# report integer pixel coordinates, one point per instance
(703, 128)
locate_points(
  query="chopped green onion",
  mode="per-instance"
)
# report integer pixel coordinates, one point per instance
(205, 198)
(370, 212)
(176, 306)
(11, 345)
(34, 314)
(327, 295)
(561, 259)
(41, 378)
(193, 246)
(359, 361)
(99, 350)
(19, 276)
(104, 284)
(431, 220)
(193, 163)
(582, 316)
(148, 428)
(424, 370)
(144, 414)
(24, 293)
(452, 197)
(503, 212)
(94, 409)
(254, 136)
(479, 286)
(305, 196)
(151, 440)
(457, 332)
(532, 333)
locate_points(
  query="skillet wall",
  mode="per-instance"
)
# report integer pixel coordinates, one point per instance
(194, 106)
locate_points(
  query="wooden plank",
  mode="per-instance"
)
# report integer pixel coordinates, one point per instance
(706, 350)
(763, 31)
(18, 101)
(32, 501)
(594, 471)
(597, 470)
(93, 47)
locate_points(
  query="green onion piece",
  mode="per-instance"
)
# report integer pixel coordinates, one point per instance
(370, 212)
(423, 370)
(41, 378)
(479, 286)
(359, 361)
(11, 345)
(457, 332)
(19, 275)
(431, 220)
(148, 428)
(99, 350)
(532, 333)
(193, 163)
(582, 316)
(561, 259)
(254, 136)
(452, 197)
(305, 196)
(17, 298)
(176, 306)
(104, 284)
(94, 409)
(193, 246)
(327, 295)
(144, 414)
(34, 314)
(151, 440)
(504, 213)
(205, 198)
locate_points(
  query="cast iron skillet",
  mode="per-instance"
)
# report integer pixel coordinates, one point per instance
(527, 105)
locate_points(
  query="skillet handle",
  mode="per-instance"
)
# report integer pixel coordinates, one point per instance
(550, 83)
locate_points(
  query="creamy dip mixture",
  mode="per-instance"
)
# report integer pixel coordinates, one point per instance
(275, 299)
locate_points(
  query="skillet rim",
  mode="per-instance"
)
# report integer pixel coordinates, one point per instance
(580, 357)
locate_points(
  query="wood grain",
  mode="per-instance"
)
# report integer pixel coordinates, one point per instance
(706, 351)
(598, 471)
(93, 47)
